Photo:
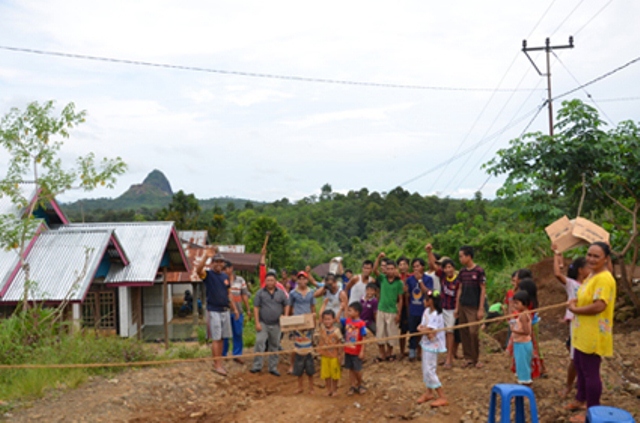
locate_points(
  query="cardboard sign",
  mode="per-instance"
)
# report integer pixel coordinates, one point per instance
(561, 233)
(568, 234)
(589, 231)
(299, 322)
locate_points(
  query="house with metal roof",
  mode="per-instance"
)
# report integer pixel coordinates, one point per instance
(112, 276)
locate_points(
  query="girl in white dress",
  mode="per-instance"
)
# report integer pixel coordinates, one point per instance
(433, 343)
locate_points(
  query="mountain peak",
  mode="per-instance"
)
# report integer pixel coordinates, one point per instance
(157, 179)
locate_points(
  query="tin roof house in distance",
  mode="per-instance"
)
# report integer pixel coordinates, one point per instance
(111, 274)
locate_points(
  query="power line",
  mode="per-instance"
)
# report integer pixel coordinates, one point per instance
(585, 91)
(593, 17)
(248, 74)
(608, 100)
(472, 148)
(494, 142)
(566, 18)
(599, 78)
(464, 140)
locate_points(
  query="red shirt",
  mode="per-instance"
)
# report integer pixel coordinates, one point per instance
(355, 331)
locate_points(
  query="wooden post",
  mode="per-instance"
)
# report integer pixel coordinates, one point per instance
(196, 298)
(165, 314)
(139, 309)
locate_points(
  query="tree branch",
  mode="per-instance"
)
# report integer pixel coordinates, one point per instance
(615, 200)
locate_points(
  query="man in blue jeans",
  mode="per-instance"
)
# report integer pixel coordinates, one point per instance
(239, 295)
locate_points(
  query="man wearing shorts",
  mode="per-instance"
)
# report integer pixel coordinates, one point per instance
(219, 301)
(389, 308)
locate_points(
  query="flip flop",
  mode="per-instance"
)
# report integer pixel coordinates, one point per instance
(221, 372)
(379, 360)
(575, 406)
(391, 358)
(440, 402)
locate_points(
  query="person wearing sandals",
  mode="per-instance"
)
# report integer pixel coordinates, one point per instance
(592, 336)
(219, 301)
(433, 343)
(355, 331)
(389, 308)
(469, 304)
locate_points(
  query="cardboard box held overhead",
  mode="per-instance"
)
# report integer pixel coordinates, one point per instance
(568, 234)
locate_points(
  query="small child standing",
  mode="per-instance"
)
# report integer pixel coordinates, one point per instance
(303, 359)
(432, 344)
(370, 307)
(521, 334)
(355, 331)
(329, 362)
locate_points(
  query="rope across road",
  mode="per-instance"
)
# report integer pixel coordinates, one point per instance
(262, 354)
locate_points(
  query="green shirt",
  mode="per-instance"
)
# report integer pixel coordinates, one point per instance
(389, 293)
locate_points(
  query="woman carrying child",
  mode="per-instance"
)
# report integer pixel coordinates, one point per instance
(433, 343)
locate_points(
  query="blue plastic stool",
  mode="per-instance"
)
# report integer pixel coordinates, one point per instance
(602, 414)
(507, 392)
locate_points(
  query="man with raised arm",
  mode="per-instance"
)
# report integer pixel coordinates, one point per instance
(219, 301)
(357, 285)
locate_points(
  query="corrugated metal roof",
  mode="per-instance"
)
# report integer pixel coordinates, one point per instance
(194, 237)
(27, 190)
(145, 244)
(9, 260)
(57, 261)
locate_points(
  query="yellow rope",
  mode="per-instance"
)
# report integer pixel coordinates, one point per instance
(261, 354)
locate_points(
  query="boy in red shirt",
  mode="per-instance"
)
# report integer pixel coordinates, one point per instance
(355, 331)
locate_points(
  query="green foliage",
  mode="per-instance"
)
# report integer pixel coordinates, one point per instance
(279, 241)
(36, 336)
(184, 210)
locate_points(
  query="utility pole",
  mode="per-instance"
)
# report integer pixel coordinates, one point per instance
(547, 48)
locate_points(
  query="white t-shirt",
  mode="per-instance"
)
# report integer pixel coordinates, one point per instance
(358, 290)
(436, 280)
(334, 301)
(433, 320)
(572, 287)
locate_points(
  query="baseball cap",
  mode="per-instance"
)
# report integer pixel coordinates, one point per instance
(302, 274)
(218, 257)
(442, 259)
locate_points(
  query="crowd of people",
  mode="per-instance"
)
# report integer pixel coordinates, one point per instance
(426, 299)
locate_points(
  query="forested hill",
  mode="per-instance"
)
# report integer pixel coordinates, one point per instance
(144, 199)
(356, 225)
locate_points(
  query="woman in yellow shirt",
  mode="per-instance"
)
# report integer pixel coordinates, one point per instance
(592, 336)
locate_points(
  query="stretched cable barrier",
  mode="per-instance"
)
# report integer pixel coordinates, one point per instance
(262, 354)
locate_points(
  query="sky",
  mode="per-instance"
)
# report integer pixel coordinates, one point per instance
(215, 134)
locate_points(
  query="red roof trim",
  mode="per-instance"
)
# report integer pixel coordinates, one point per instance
(13, 274)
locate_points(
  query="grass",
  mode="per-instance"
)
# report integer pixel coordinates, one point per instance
(35, 337)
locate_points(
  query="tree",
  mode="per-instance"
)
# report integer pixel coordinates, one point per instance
(184, 210)
(32, 139)
(583, 168)
(279, 241)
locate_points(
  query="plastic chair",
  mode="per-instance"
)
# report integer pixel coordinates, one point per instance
(602, 414)
(506, 392)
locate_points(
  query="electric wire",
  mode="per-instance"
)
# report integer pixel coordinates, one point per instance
(598, 79)
(470, 149)
(249, 74)
(583, 89)
(593, 17)
(515, 58)
(566, 18)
